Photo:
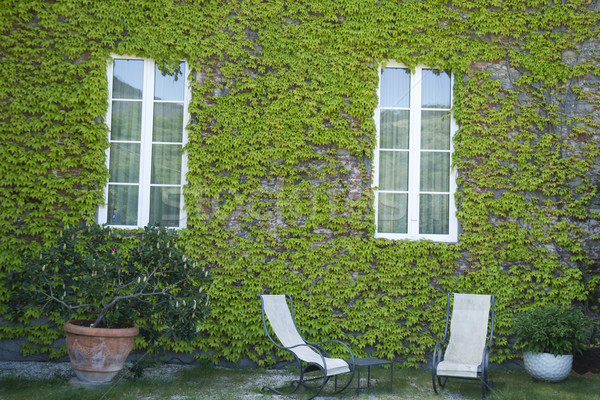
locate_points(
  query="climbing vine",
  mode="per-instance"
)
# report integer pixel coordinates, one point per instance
(281, 138)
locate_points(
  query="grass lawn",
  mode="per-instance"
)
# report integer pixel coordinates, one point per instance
(201, 382)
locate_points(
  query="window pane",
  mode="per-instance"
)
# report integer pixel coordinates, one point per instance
(395, 88)
(122, 204)
(164, 205)
(393, 170)
(169, 87)
(434, 213)
(168, 122)
(124, 162)
(392, 213)
(435, 130)
(128, 76)
(166, 164)
(435, 172)
(394, 129)
(435, 91)
(126, 120)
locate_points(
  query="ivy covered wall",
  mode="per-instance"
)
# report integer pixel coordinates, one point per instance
(279, 196)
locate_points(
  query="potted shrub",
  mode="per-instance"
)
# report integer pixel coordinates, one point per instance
(549, 336)
(104, 282)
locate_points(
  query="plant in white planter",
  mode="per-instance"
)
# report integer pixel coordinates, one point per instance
(549, 336)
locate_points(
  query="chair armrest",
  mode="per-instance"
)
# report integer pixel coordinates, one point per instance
(322, 353)
(437, 354)
(338, 342)
(485, 359)
(311, 346)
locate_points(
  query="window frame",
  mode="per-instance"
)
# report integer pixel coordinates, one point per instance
(145, 165)
(414, 152)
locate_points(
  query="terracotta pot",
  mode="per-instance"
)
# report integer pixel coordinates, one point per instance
(98, 354)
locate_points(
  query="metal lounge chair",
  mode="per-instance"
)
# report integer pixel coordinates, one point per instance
(465, 351)
(309, 356)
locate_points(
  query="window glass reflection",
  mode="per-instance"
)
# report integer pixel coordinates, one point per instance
(434, 214)
(128, 77)
(169, 87)
(435, 130)
(394, 127)
(395, 88)
(165, 205)
(392, 209)
(393, 170)
(122, 205)
(435, 89)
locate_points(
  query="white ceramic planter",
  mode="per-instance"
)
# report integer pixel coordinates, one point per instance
(548, 367)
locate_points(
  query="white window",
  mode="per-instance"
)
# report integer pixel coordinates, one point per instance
(415, 185)
(147, 117)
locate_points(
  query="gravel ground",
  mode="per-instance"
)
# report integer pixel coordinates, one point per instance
(41, 370)
(34, 370)
(62, 370)
(245, 390)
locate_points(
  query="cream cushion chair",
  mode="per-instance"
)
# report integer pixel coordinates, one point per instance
(309, 356)
(466, 349)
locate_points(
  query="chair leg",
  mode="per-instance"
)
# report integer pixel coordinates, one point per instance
(433, 379)
(297, 383)
(325, 379)
(486, 384)
(486, 387)
(436, 359)
(316, 378)
(296, 386)
(344, 386)
(441, 382)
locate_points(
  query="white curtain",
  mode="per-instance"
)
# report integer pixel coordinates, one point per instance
(393, 170)
(125, 136)
(124, 166)
(167, 144)
(435, 173)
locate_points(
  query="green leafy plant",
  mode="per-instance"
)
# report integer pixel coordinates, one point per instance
(281, 137)
(553, 329)
(92, 271)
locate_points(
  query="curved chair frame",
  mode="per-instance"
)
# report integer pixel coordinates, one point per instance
(310, 366)
(482, 369)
